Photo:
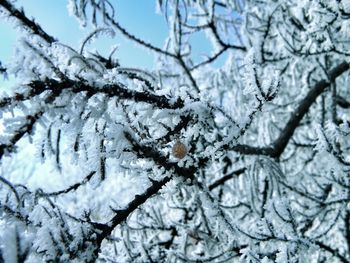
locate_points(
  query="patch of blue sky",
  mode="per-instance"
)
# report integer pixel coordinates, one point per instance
(137, 16)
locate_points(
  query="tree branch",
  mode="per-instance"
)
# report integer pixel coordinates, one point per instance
(130, 36)
(27, 127)
(334, 252)
(143, 151)
(279, 145)
(227, 177)
(282, 141)
(112, 90)
(343, 102)
(31, 25)
(7, 101)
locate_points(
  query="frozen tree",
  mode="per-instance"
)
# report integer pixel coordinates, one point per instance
(240, 155)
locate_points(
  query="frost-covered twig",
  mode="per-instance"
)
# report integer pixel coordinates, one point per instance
(29, 24)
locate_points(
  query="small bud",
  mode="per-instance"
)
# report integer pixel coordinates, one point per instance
(179, 150)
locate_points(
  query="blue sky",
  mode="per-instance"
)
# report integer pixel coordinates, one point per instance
(137, 16)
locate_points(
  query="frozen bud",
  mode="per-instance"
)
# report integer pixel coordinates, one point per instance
(179, 150)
